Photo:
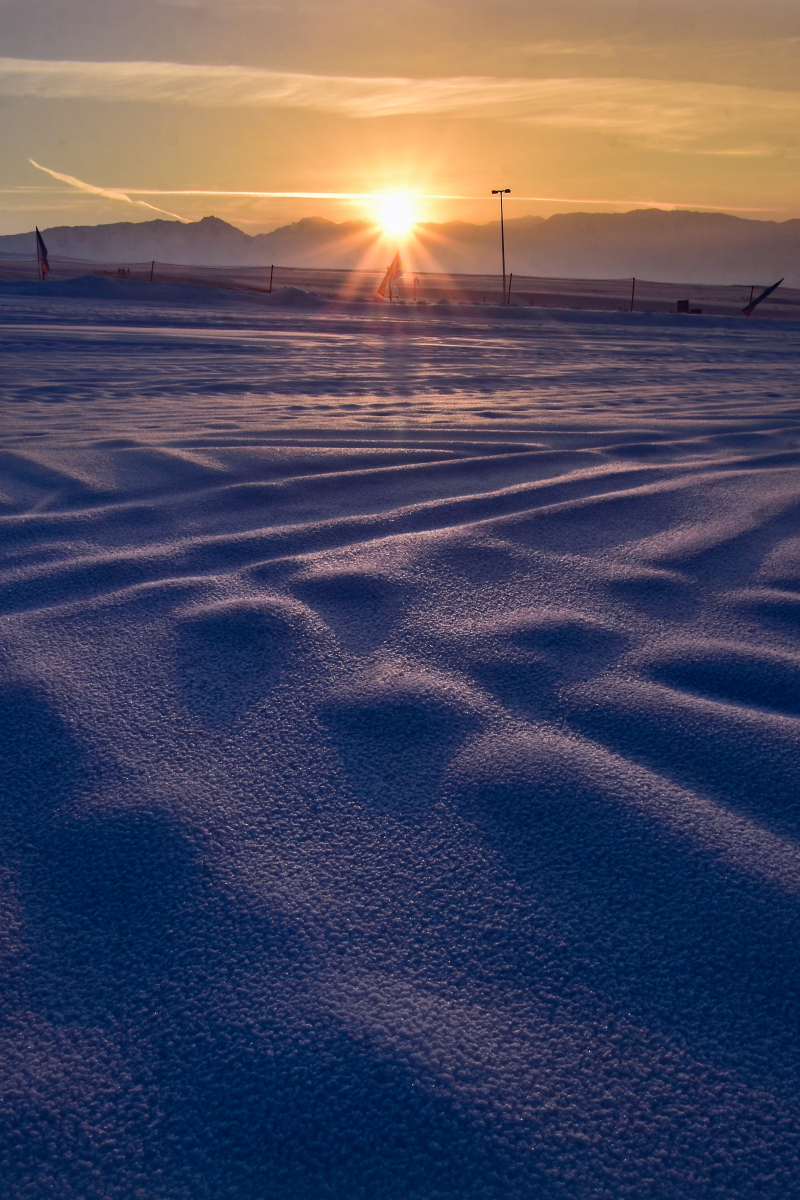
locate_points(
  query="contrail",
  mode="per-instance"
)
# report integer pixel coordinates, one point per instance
(109, 193)
(124, 194)
(666, 204)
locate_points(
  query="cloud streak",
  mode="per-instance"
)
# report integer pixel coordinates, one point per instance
(656, 111)
(125, 194)
(107, 193)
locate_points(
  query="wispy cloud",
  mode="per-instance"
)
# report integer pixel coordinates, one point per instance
(659, 47)
(125, 194)
(108, 193)
(577, 49)
(657, 111)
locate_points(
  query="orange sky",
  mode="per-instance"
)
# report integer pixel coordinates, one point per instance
(573, 104)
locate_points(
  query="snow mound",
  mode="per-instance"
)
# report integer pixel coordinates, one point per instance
(395, 738)
(124, 291)
(731, 672)
(293, 297)
(231, 654)
(360, 607)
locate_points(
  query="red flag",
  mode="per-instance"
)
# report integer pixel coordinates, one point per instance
(393, 272)
(41, 255)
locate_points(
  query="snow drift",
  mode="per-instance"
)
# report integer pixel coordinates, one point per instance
(399, 755)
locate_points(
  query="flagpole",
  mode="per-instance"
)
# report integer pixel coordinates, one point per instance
(43, 266)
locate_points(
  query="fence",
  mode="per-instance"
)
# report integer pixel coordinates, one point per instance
(426, 287)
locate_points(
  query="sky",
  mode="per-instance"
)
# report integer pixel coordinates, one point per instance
(324, 106)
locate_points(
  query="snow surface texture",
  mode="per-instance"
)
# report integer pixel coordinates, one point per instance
(399, 727)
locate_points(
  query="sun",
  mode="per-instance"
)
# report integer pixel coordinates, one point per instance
(396, 213)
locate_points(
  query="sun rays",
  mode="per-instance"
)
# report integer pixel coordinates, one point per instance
(396, 213)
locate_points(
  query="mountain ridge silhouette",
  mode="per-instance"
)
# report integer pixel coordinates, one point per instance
(681, 245)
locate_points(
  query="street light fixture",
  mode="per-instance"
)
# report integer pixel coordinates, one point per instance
(502, 192)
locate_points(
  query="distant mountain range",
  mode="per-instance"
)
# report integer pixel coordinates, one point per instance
(678, 246)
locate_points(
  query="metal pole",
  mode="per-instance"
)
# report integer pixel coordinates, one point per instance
(503, 244)
(502, 192)
(152, 268)
(510, 281)
(272, 268)
(633, 289)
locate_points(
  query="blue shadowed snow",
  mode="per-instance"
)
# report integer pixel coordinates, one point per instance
(399, 752)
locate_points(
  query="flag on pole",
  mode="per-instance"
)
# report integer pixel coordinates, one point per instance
(393, 272)
(748, 311)
(41, 256)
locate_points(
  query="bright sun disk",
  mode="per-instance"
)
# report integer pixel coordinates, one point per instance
(395, 213)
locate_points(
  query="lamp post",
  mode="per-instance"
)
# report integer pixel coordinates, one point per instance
(502, 192)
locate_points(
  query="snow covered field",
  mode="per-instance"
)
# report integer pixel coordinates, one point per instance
(400, 724)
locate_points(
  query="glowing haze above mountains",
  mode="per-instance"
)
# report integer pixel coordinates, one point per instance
(264, 111)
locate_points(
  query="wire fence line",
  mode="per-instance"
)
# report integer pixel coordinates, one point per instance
(423, 287)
